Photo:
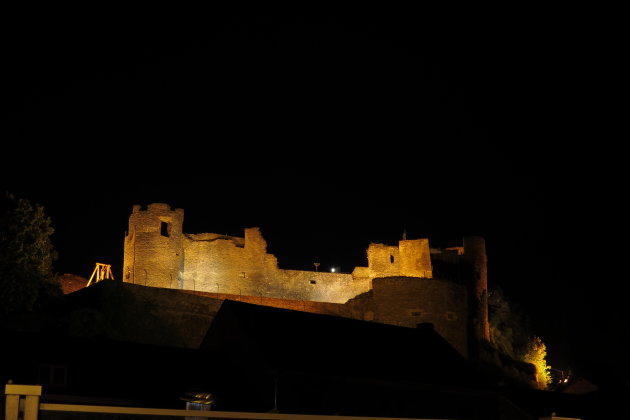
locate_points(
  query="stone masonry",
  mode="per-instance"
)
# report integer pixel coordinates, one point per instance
(406, 285)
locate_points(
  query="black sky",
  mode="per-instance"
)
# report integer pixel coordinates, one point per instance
(328, 129)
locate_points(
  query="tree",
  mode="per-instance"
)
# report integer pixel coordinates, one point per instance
(26, 255)
(509, 326)
(536, 354)
(511, 333)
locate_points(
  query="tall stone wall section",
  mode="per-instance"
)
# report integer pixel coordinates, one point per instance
(159, 254)
(401, 301)
(476, 259)
(231, 265)
(409, 301)
(134, 313)
(411, 258)
(154, 251)
(180, 318)
(404, 285)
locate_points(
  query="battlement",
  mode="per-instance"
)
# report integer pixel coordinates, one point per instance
(159, 254)
(156, 208)
(403, 284)
(210, 237)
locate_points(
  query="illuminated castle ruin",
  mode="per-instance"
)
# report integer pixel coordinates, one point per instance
(407, 284)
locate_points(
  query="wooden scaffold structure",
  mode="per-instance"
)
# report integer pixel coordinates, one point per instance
(101, 272)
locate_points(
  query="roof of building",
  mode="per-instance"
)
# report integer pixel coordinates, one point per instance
(294, 341)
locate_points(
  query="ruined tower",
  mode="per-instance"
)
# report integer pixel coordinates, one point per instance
(475, 258)
(404, 284)
(154, 249)
(411, 258)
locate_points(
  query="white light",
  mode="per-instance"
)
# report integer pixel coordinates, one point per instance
(332, 270)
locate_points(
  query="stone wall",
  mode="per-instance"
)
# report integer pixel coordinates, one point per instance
(402, 301)
(409, 301)
(411, 258)
(180, 318)
(134, 313)
(415, 258)
(154, 247)
(159, 254)
(323, 308)
(240, 267)
(406, 284)
(383, 260)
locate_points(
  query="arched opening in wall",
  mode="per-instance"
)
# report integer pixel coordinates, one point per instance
(391, 259)
(164, 229)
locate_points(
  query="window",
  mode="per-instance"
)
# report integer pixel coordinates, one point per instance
(391, 259)
(164, 229)
(313, 281)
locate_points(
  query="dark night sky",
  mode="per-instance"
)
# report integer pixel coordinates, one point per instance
(326, 129)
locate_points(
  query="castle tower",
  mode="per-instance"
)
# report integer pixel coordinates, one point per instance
(476, 259)
(415, 258)
(154, 250)
(411, 258)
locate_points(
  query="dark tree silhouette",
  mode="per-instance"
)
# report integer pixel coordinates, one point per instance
(510, 327)
(26, 255)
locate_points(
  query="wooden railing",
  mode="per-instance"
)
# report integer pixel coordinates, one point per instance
(22, 402)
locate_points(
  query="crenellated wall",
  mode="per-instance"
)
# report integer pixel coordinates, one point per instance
(415, 258)
(409, 301)
(411, 258)
(242, 266)
(159, 254)
(405, 285)
(154, 252)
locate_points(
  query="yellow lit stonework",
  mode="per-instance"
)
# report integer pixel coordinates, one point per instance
(405, 284)
(159, 254)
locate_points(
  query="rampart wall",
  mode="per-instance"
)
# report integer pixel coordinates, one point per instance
(402, 301)
(153, 253)
(225, 265)
(409, 301)
(180, 318)
(404, 285)
(159, 254)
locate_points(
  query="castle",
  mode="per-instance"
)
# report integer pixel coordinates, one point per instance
(407, 285)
